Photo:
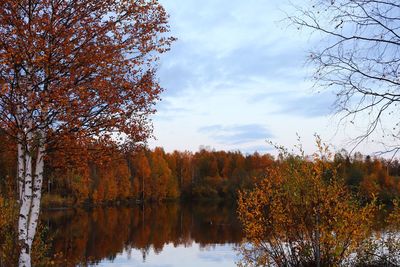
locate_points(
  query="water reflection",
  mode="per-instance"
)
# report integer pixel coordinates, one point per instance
(214, 256)
(88, 237)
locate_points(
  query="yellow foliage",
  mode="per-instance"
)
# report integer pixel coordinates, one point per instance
(301, 214)
(393, 219)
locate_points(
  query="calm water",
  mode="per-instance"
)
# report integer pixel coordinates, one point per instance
(161, 235)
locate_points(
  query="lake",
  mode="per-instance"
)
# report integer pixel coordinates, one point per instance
(153, 235)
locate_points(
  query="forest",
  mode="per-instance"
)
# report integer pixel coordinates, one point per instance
(102, 174)
(80, 82)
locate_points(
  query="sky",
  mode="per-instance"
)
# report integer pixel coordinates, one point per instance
(237, 78)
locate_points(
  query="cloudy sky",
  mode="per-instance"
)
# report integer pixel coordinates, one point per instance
(237, 77)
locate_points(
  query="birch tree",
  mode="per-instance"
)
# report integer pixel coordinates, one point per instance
(74, 67)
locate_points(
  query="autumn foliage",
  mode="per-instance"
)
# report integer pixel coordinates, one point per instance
(302, 214)
(75, 69)
(282, 200)
(99, 174)
(95, 172)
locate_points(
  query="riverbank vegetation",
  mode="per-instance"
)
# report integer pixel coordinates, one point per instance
(306, 213)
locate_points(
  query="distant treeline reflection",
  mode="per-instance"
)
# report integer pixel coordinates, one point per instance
(86, 237)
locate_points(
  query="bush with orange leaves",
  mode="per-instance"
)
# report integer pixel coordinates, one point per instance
(302, 214)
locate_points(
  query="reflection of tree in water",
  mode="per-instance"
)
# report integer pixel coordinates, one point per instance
(89, 236)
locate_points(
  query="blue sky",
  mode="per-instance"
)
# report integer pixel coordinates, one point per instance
(237, 77)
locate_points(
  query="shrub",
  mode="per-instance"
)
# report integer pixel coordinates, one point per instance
(302, 214)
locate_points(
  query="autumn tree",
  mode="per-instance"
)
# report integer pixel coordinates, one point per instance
(81, 68)
(121, 174)
(160, 174)
(185, 173)
(67, 170)
(358, 57)
(141, 179)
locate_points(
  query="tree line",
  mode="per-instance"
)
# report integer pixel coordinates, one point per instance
(100, 173)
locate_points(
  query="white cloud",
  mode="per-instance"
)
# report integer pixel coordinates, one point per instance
(235, 63)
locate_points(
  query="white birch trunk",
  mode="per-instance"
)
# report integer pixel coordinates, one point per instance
(30, 199)
(20, 171)
(25, 207)
(20, 160)
(37, 195)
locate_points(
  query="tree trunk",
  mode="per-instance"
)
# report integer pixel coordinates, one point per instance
(318, 246)
(20, 172)
(25, 206)
(32, 177)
